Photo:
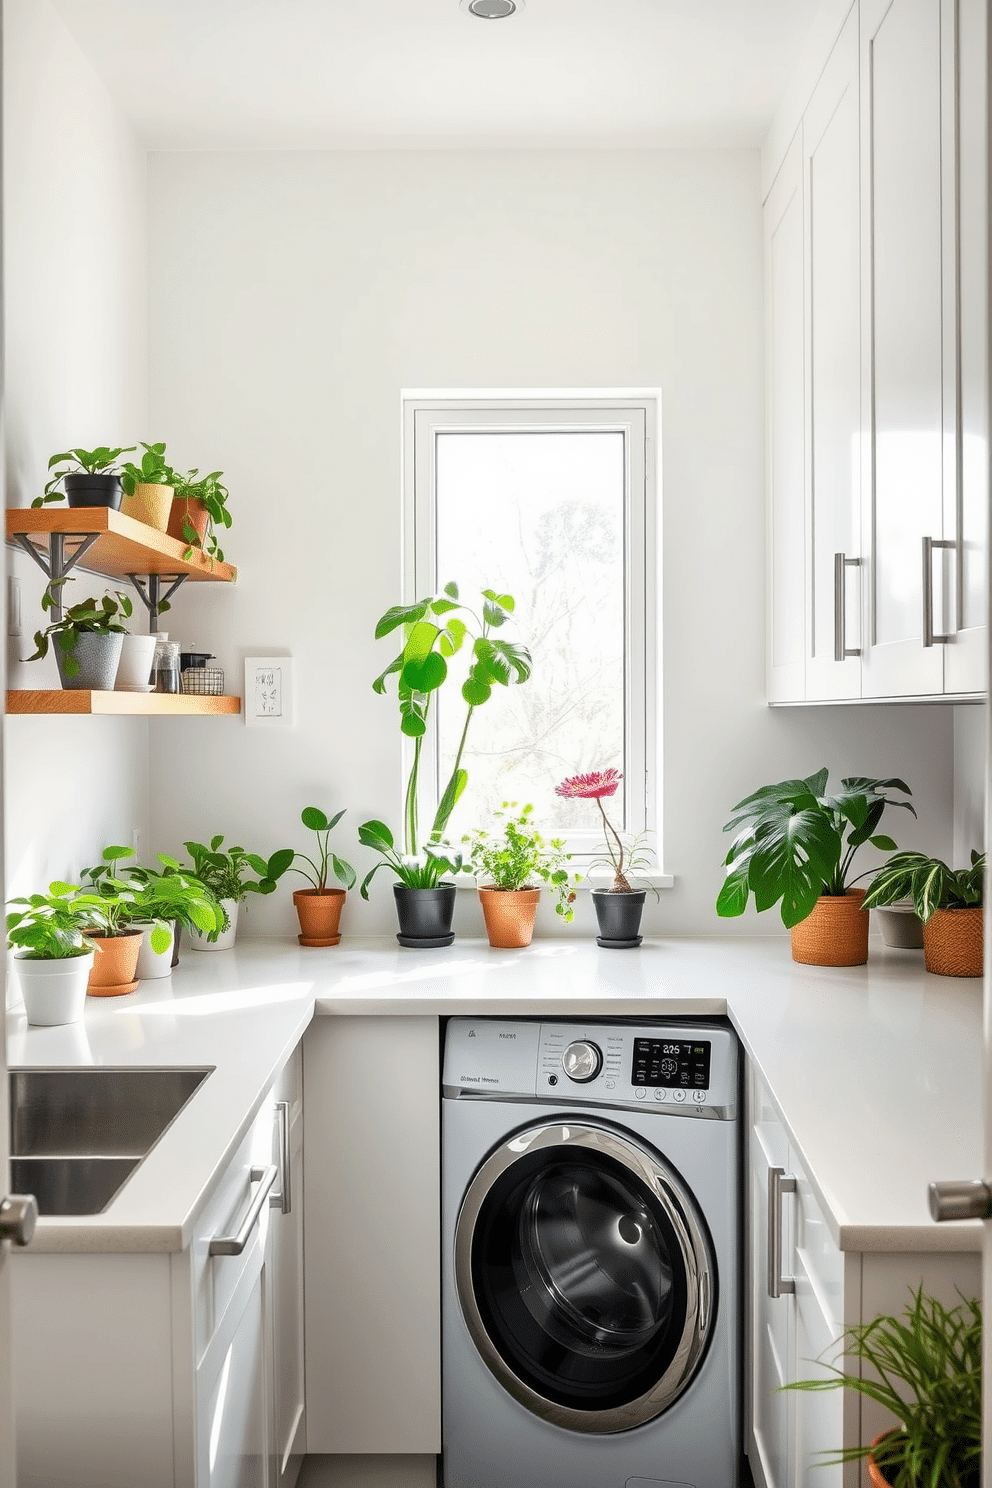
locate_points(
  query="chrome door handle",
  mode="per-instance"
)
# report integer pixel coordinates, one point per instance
(968, 1199)
(283, 1200)
(18, 1218)
(779, 1183)
(929, 637)
(231, 1245)
(841, 564)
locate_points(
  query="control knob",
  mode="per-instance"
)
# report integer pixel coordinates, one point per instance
(582, 1061)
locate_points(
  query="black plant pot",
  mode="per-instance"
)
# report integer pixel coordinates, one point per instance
(425, 916)
(619, 917)
(93, 490)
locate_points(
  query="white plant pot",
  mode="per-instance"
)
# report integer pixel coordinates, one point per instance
(135, 666)
(54, 992)
(152, 964)
(225, 940)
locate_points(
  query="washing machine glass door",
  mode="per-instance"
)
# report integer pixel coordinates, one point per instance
(585, 1275)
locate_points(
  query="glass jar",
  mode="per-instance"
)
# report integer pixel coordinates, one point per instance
(167, 666)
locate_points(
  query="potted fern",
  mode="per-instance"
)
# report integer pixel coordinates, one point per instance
(925, 1369)
(948, 902)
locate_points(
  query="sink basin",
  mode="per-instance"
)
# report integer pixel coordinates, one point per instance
(77, 1135)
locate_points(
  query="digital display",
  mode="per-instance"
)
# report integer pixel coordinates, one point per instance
(672, 1062)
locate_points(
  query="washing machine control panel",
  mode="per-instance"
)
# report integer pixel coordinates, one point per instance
(671, 1062)
(582, 1061)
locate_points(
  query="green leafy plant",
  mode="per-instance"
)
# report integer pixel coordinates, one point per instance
(418, 871)
(153, 470)
(925, 1368)
(511, 858)
(327, 862)
(434, 631)
(798, 842)
(234, 873)
(101, 461)
(52, 926)
(928, 882)
(211, 490)
(120, 906)
(89, 617)
(175, 895)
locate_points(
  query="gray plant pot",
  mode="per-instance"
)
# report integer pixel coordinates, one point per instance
(425, 916)
(619, 917)
(98, 657)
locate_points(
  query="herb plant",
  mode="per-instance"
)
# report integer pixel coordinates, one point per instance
(328, 863)
(928, 882)
(211, 490)
(235, 873)
(89, 617)
(52, 926)
(513, 857)
(100, 461)
(926, 1369)
(153, 471)
(798, 842)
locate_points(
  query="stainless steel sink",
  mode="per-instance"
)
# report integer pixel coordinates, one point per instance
(77, 1135)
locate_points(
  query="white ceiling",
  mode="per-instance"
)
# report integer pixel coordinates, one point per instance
(381, 74)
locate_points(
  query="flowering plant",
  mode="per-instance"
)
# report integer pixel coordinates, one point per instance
(622, 857)
(510, 861)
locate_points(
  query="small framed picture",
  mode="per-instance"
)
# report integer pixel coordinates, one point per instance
(269, 691)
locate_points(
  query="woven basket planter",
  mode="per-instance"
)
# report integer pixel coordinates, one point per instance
(835, 934)
(953, 942)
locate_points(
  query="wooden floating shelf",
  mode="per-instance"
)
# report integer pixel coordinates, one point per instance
(123, 545)
(119, 704)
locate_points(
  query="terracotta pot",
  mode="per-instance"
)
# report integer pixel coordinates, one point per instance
(151, 504)
(193, 511)
(114, 964)
(835, 934)
(509, 915)
(319, 914)
(953, 942)
(875, 1475)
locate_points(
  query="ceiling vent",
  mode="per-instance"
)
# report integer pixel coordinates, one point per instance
(492, 10)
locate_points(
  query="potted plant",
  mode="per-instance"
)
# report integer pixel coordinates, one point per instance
(149, 488)
(88, 640)
(53, 954)
(797, 844)
(88, 478)
(117, 926)
(319, 907)
(178, 899)
(199, 506)
(618, 908)
(506, 865)
(434, 631)
(925, 1368)
(230, 876)
(948, 902)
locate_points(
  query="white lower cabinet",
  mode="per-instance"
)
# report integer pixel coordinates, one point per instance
(802, 1292)
(180, 1370)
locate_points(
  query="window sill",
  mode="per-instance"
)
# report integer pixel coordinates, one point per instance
(598, 879)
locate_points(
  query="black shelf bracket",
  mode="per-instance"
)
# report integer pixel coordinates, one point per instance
(58, 564)
(152, 597)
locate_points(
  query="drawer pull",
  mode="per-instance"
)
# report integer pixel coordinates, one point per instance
(841, 564)
(283, 1200)
(930, 638)
(231, 1245)
(779, 1183)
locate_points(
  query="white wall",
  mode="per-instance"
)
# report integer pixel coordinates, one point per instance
(970, 728)
(75, 316)
(293, 296)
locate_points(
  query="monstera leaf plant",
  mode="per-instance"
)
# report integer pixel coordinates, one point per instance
(796, 842)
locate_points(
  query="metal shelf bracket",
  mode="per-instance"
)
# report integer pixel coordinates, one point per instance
(58, 565)
(152, 597)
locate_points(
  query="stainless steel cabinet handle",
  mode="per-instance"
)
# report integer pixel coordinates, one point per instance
(929, 543)
(841, 564)
(18, 1218)
(968, 1199)
(231, 1245)
(778, 1184)
(284, 1198)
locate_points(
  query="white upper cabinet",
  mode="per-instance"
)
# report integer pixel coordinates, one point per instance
(835, 572)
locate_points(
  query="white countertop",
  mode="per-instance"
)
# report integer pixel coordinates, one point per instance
(876, 1070)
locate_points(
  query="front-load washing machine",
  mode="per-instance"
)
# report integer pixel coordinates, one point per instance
(591, 1226)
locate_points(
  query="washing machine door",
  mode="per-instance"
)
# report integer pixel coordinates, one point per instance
(585, 1275)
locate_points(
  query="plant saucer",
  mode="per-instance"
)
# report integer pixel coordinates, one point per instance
(329, 940)
(619, 945)
(426, 942)
(135, 687)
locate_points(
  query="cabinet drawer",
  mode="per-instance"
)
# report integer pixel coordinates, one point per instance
(818, 1261)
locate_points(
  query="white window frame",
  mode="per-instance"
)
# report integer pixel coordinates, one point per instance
(635, 413)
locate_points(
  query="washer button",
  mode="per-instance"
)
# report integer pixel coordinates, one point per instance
(699, 1096)
(661, 1094)
(678, 1095)
(640, 1092)
(611, 1084)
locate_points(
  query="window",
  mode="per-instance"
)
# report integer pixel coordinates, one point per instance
(551, 500)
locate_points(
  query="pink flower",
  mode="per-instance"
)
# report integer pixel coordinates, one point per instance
(590, 787)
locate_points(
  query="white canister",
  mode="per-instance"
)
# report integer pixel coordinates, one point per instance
(54, 991)
(225, 940)
(151, 963)
(134, 670)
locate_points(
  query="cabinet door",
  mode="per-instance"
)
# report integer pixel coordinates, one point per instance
(903, 352)
(771, 1321)
(286, 1290)
(783, 227)
(233, 1389)
(835, 574)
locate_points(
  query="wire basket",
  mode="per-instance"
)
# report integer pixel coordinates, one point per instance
(202, 681)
